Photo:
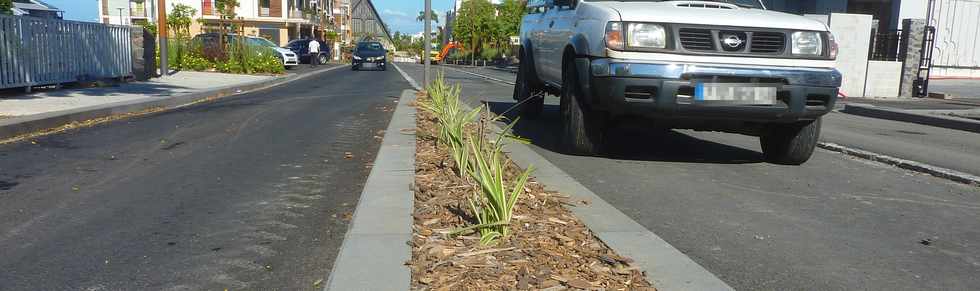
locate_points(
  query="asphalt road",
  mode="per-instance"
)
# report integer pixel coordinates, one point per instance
(252, 192)
(835, 223)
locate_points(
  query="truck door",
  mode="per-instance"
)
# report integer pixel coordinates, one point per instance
(560, 24)
(531, 28)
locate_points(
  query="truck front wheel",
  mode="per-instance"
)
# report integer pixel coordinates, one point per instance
(581, 128)
(790, 144)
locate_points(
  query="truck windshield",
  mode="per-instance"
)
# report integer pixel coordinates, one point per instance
(743, 3)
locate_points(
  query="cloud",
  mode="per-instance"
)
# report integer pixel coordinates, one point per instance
(394, 13)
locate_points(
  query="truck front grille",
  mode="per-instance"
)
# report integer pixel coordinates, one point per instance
(768, 42)
(734, 41)
(696, 39)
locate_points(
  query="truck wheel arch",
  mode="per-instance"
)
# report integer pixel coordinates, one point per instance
(581, 63)
(580, 45)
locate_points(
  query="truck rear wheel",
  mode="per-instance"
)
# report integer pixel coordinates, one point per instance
(790, 144)
(581, 128)
(524, 89)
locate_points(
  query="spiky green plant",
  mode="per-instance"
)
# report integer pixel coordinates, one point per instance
(444, 103)
(493, 205)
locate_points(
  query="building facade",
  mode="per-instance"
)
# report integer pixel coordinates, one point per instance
(36, 8)
(276, 20)
(366, 24)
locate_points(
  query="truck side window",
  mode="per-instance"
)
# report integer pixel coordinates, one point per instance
(536, 6)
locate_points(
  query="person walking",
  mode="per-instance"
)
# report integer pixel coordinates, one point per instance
(314, 52)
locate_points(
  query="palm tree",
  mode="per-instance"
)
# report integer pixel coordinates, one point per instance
(421, 18)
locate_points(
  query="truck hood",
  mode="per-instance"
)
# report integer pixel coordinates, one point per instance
(730, 15)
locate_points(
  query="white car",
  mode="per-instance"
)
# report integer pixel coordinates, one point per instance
(726, 65)
(289, 58)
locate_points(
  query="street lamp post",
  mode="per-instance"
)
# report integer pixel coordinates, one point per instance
(427, 39)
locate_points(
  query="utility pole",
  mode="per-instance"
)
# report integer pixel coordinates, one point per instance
(162, 29)
(427, 40)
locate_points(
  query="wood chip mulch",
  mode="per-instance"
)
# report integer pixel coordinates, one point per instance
(548, 249)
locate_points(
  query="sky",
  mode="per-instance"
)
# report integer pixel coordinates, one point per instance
(398, 14)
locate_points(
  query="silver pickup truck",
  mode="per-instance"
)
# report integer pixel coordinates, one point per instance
(729, 66)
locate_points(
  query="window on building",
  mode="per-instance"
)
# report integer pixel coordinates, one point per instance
(139, 9)
(264, 7)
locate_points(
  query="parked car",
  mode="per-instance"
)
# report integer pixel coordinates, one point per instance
(210, 42)
(301, 47)
(288, 57)
(369, 54)
(725, 65)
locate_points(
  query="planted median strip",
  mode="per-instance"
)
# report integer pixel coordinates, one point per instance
(481, 222)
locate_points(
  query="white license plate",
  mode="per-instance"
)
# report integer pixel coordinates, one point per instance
(736, 93)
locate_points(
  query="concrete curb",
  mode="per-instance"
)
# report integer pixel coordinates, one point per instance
(665, 266)
(374, 251)
(16, 126)
(904, 164)
(950, 122)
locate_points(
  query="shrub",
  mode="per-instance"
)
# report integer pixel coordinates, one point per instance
(490, 53)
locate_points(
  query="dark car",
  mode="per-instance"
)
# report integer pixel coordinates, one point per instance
(369, 54)
(302, 48)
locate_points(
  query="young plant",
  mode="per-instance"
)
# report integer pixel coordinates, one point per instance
(493, 205)
(444, 103)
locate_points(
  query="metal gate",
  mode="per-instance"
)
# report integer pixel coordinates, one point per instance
(955, 36)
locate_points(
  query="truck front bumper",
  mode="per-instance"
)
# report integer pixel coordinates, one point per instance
(665, 90)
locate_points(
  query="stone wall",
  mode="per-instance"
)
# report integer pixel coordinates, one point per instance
(913, 30)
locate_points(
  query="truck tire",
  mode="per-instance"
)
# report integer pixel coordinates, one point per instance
(790, 144)
(524, 89)
(581, 128)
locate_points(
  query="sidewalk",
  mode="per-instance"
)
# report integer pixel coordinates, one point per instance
(959, 113)
(53, 110)
(957, 88)
(160, 88)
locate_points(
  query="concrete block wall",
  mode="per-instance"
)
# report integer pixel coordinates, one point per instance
(853, 33)
(883, 79)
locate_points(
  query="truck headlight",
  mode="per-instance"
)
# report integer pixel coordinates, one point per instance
(646, 35)
(807, 43)
(357, 58)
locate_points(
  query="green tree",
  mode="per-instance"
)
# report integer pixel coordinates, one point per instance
(474, 24)
(434, 16)
(226, 8)
(179, 20)
(6, 7)
(509, 16)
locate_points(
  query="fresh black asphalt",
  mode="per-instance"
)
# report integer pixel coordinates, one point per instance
(835, 223)
(251, 192)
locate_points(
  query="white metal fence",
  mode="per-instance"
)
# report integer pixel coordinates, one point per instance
(36, 51)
